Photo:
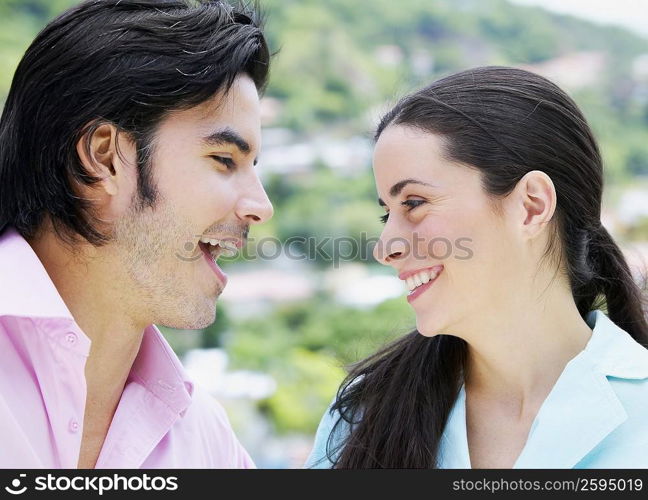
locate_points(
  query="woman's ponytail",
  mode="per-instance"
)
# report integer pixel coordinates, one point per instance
(607, 283)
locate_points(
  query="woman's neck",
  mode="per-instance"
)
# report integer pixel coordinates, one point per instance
(517, 361)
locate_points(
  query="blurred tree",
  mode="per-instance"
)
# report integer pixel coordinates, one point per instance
(304, 347)
(306, 383)
(212, 336)
(637, 162)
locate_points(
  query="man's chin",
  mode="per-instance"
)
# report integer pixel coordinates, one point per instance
(197, 321)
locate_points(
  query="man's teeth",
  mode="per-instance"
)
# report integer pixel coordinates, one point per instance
(227, 248)
(420, 278)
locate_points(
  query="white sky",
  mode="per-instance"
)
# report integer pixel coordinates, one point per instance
(631, 14)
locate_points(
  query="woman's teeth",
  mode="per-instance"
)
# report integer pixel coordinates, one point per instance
(227, 248)
(421, 278)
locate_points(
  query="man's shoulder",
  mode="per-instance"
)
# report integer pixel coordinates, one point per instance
(206, 423)
(206, 408)
(206, 413)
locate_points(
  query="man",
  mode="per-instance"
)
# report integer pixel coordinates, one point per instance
(127, 150)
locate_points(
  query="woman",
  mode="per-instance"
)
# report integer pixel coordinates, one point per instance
(530, 347)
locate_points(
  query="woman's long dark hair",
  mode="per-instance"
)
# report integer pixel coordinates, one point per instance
(505, 122)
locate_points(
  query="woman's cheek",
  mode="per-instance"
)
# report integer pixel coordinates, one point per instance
(436, 238)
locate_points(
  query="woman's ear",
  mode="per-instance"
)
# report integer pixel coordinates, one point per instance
(537, 202)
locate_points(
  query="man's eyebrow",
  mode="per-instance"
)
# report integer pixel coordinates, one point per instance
(398, 187)
(228, 136)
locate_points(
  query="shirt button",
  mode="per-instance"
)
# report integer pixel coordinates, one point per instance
(73, 426)
(71, 338)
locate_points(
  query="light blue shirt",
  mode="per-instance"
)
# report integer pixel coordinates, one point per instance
(596, 415)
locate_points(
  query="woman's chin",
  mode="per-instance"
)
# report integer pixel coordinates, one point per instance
(428, 328)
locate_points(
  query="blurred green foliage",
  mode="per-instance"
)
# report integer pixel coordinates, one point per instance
(305, 347)
(306, 381)
(638, 231)
(327, 71)
(318, 325)
(323, 204)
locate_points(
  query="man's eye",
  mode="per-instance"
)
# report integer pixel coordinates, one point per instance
(228, 162)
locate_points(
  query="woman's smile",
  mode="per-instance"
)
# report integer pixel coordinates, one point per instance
(420, 280)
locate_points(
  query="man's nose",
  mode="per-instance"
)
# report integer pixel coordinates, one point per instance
(254, 206)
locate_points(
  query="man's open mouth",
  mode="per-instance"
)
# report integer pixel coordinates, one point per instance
(218, 247)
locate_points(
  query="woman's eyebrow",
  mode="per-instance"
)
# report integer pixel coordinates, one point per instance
(398, 187)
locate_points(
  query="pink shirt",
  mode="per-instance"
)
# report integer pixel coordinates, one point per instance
(162, 419)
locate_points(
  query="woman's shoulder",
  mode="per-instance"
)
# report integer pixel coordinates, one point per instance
(621, 389)
(331, 433)
(623, 361)
(626, 444)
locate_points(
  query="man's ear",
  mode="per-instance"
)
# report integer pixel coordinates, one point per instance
(98, 152)
(536, 202)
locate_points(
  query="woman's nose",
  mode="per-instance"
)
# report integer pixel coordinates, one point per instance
(389, 250)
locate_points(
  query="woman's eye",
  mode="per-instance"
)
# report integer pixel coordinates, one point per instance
(412, 204)
(228, 162)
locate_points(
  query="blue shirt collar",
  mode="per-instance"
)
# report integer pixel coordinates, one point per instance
(580, 411)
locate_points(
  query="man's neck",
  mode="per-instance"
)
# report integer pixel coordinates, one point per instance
(105, 382)
(95, 298)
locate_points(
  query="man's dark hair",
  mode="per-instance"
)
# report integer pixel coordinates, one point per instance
(125, 62)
